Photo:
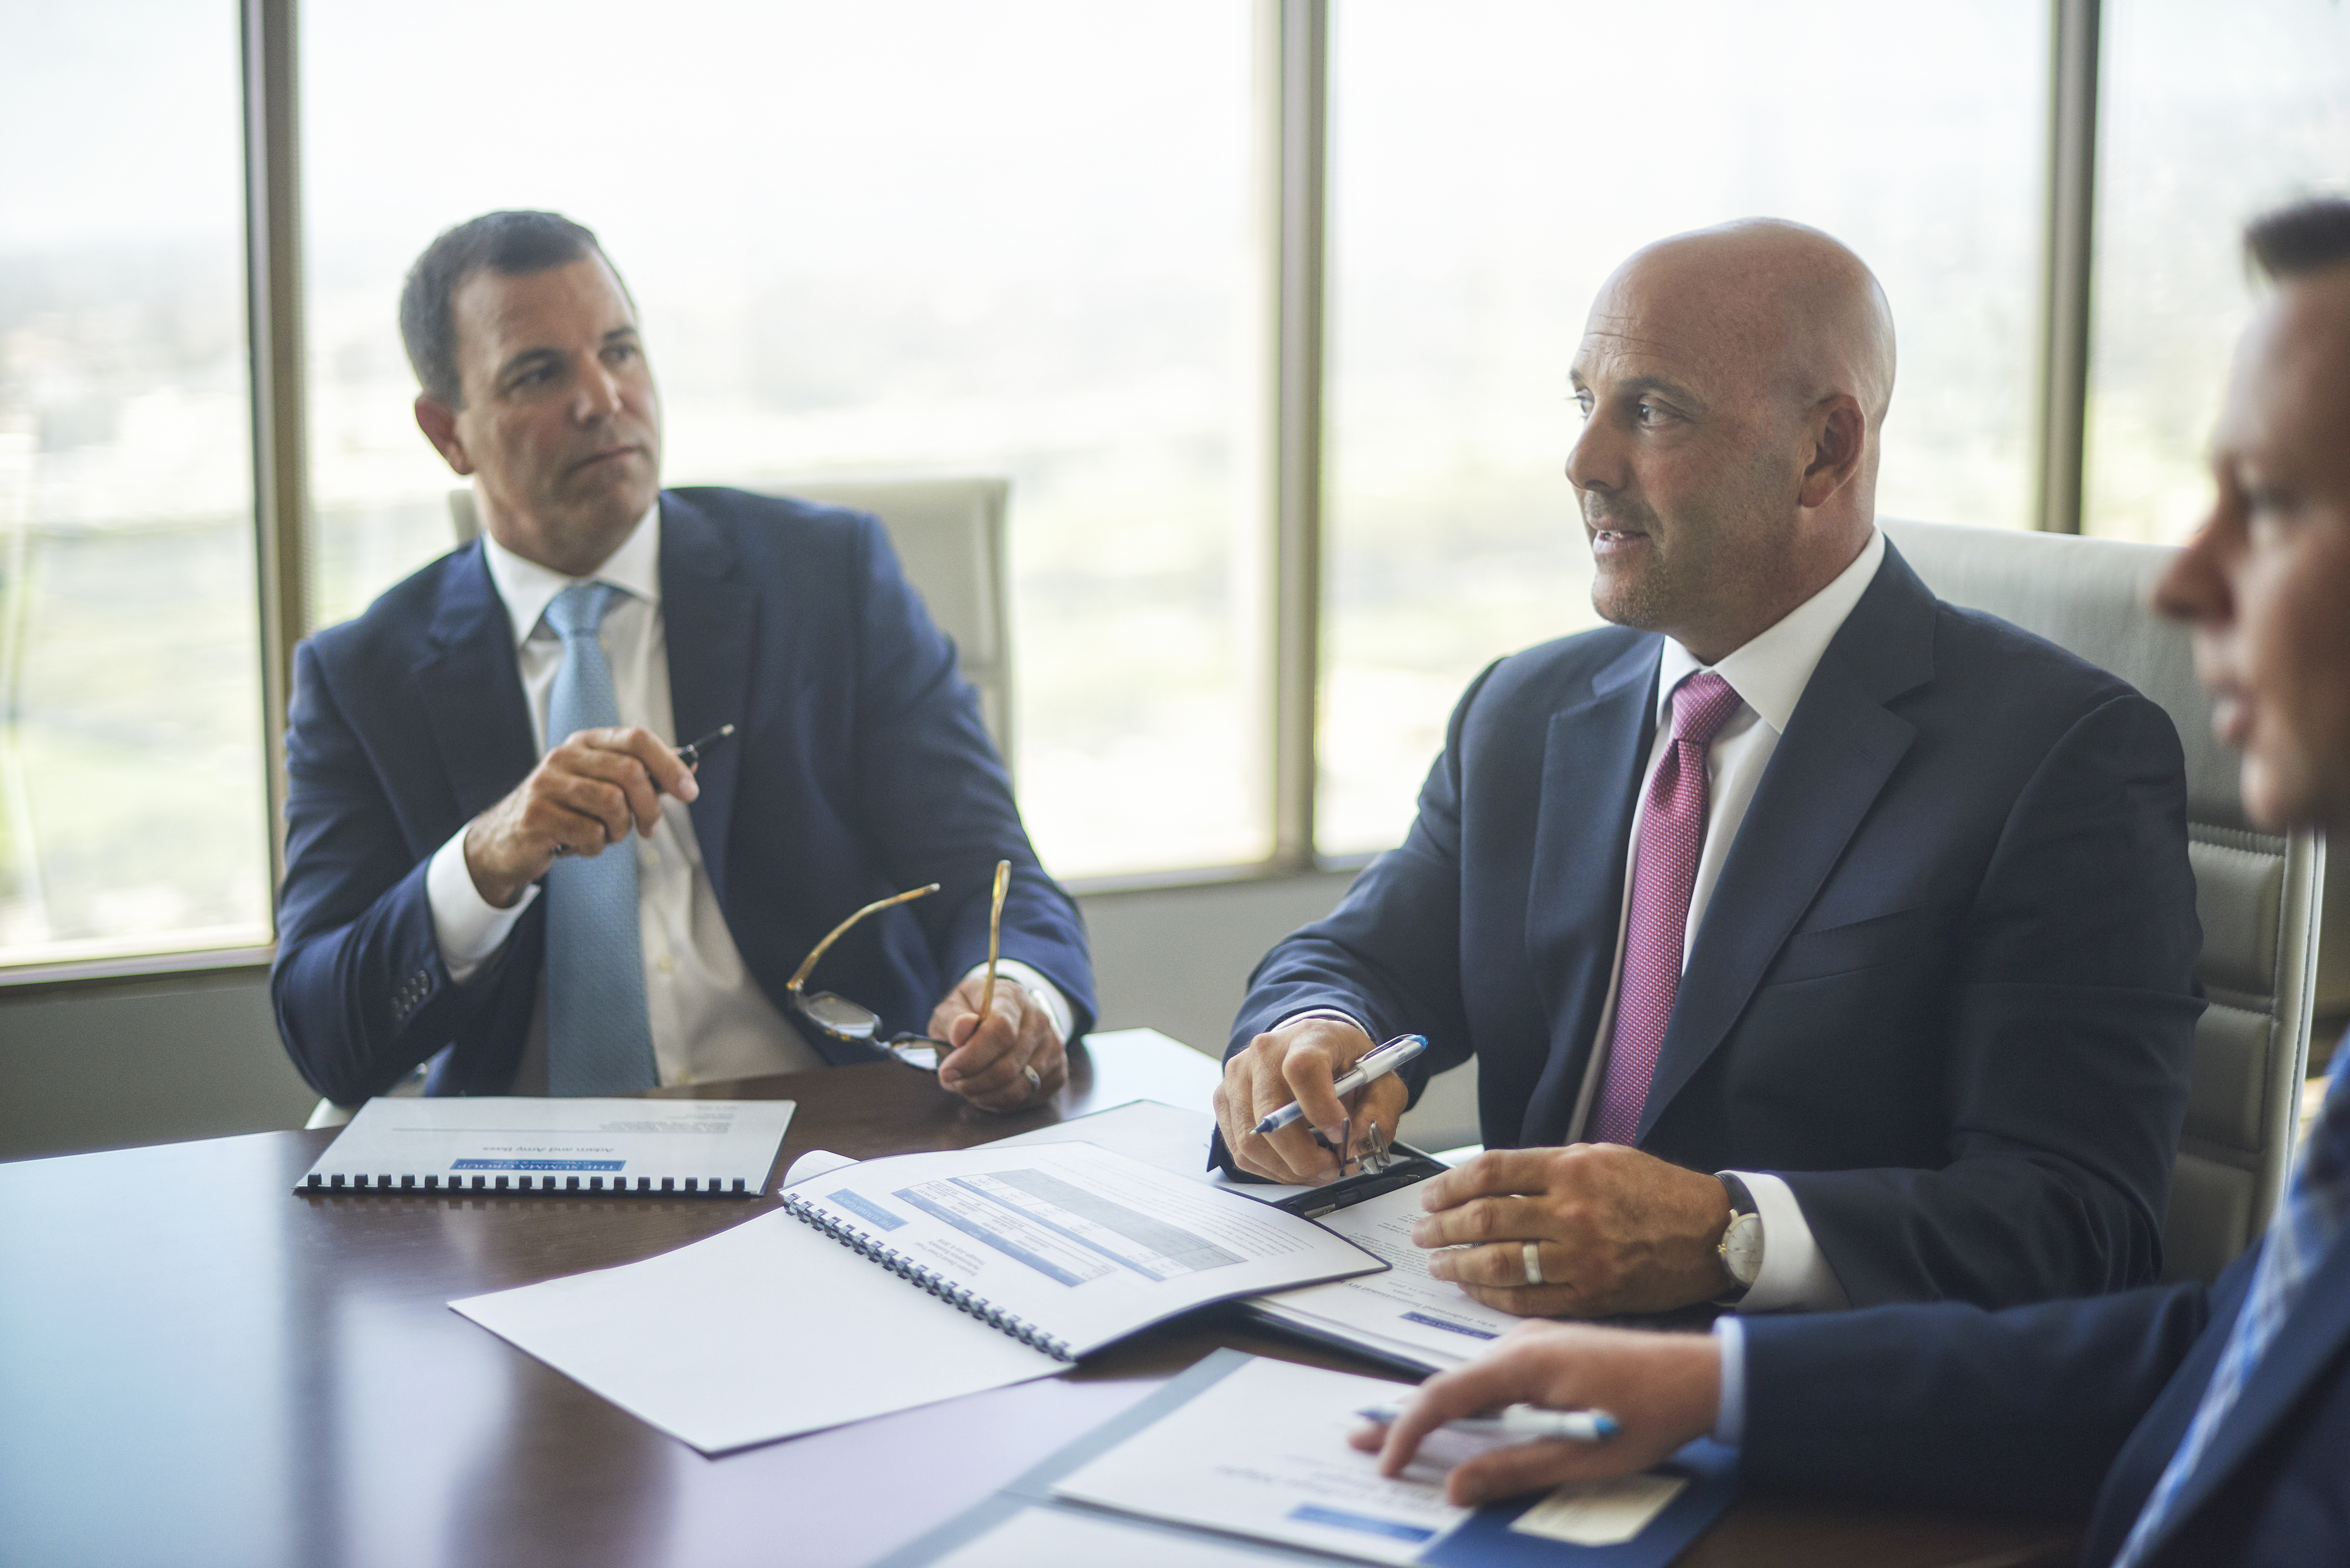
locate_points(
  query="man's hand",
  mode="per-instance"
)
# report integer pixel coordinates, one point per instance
(1300, 1063)
(990, 1052)
(1616, 1230)
(584, 797)
(1665, 1389)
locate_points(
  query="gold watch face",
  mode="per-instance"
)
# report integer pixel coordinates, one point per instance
(1741, 1249)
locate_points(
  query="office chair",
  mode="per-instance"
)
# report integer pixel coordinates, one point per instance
(950, 536)
(2270, 964)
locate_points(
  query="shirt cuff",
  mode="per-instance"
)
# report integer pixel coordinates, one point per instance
(1049, 995)
(1335, 1014)
(1795, 1276)
(468, 927)
(1730, 1420)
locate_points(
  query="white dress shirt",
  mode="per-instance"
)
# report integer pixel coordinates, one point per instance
(710, 1019)
(1769, 674)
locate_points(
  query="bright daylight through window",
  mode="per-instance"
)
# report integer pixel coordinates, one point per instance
(132, 812)
(1491, 164)
(925, 237)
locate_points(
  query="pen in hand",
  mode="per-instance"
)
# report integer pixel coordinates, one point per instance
(1529, 1422)
(691, 754)
(1375, 1064)
(994, 934)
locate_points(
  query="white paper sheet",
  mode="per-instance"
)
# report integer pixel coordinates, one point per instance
(1406, 1313)
(531, 1142)
(1262, 1453)
(1059, 1538)
(1085, 1244)
(762, 1332)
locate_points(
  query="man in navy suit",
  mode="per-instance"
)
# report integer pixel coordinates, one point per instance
(495, 860)
(2188, 1424)
(1819, 944)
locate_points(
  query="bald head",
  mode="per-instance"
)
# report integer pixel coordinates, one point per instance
(1734, 379)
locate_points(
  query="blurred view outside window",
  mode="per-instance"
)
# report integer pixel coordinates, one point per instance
(132, 812)
(2209, 116)
(1491, 164)
(910, 237)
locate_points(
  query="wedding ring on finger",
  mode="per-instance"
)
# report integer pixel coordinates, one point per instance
(1036, 1084)
(1534, 1264)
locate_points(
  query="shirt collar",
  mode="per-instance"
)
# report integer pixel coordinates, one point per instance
(528, 588)
(1770, 672)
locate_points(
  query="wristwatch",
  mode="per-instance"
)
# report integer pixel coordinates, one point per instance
(1742, 1243)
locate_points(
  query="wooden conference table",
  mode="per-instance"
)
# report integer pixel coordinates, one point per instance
(197, 1366)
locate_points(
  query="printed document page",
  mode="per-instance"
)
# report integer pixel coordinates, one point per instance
(1406, 1313)
(1082, 1244)
(1262, 1452)
(528, 1140)
(764, 1331)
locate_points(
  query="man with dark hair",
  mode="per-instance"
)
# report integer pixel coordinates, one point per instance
(2191, 1426)
(1818, 944)
(496, 859)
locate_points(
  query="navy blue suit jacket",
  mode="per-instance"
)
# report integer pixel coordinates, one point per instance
(1942, 987)
(2072, 1408)
(860, 768)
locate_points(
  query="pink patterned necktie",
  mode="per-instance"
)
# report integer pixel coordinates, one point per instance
(1664, 873)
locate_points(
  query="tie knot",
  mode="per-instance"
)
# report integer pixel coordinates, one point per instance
(1703, 704)
(579, 608)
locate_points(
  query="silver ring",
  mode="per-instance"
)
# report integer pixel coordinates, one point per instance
(1036, 1084)
(1534, 1264)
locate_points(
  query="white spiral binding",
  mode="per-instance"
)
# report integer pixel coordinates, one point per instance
(955, 1295)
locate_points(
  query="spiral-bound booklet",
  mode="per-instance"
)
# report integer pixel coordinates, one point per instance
(504, 1145)
(906, 1280)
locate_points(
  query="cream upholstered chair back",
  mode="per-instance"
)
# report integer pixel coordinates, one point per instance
(950, 535)
(2266, 968)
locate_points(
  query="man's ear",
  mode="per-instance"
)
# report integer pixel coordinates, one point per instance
(439, 424)
(1839, 438)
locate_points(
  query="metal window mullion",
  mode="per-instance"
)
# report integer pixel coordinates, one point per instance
(2068, 258)
(1300, 37)
(274, 325)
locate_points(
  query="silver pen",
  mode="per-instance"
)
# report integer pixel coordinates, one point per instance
(1377, 1063)
(1527, 1421)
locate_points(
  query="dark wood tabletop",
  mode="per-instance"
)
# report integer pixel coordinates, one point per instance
(198, 1366)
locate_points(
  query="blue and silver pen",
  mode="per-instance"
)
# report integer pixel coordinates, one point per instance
(1527, 1421)
(1376, 1064)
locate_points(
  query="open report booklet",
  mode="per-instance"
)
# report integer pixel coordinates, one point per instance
(1404, 1315)
(892, 1282)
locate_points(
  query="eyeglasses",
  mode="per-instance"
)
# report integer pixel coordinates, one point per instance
(845, 1020)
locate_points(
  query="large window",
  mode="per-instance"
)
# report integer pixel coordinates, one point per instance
(132, 811)
(2204, 126)
(1076, 244)
(899, 238)
(1490, 166)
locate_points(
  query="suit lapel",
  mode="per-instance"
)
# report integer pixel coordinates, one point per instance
(710, 618)
(1840, 746)
(1591, 777)
(2311, 1338)
(473, 691)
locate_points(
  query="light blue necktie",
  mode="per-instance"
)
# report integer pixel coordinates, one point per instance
(598, 1040)
(2308, 1225)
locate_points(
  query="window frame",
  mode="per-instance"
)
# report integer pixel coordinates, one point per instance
(1291, 128)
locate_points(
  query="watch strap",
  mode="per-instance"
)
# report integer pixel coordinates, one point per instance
(1742, 1206)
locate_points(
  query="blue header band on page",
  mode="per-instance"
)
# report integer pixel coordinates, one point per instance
(536, 1164)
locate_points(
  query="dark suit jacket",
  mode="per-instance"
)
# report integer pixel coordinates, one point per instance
(1942, 986)
(859, 768)
(2071, 1408)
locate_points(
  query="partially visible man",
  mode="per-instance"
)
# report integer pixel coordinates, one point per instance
(495, 860)
(2192, 1425)
(1818, 944)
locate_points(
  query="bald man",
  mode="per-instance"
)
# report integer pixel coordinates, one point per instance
(1819, 943)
